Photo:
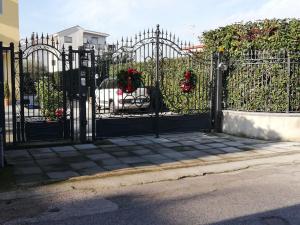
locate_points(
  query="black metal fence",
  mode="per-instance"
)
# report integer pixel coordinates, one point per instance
(54, 92)
(263, 81)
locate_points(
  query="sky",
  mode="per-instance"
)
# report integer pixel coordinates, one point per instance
(124, 18)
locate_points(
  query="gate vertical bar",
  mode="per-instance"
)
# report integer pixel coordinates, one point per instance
(82, 95)
(288, 83)
(219, 91)
(64, 92)
(157, 33)
(21, 77)
(212, 88)
(13, 90)
(71, 92)
(92, 78)
(2, 110)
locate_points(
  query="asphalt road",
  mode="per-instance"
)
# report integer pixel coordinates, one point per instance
(265, 195)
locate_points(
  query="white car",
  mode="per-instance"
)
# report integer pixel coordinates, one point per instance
(109, 96)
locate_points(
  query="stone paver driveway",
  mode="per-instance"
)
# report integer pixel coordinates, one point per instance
(135, 152)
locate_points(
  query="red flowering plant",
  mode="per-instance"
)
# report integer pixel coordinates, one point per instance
(59, 113)
(129, 80)
(188, 84)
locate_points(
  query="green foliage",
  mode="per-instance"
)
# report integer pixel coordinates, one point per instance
(172, 73)
(49, 97)
(260, 82)
(267, 34)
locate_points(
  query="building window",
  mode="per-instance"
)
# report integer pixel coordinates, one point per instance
(94, 40)
(1, 7)
(67, 39)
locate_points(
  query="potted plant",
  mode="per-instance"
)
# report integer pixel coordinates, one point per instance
(6, 94)
(52, 125)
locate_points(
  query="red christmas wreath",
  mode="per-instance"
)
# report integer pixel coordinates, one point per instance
(188, 84)
(129, 80)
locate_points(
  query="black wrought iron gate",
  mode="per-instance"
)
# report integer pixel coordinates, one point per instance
(58, 93)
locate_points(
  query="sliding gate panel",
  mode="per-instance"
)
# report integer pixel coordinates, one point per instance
(163, 101)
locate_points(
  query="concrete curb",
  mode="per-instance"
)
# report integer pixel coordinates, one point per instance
(144, 176)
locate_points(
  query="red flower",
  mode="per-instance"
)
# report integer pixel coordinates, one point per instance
(186, 87)
(59, 113)
(131, 71)
(188, 75)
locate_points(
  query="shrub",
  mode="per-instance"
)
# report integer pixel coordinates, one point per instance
(49, 97)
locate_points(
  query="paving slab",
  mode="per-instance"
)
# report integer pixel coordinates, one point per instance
(24, 163)
(143, 152)
(156, 158)
(63, 148)
(74, 159)
(201, 147)
(91, 170)
(85, 146)
(55, 167)
(230, 149)
(27, 170)
(30, 179)
(17, 155)
(160, 140)
(183, 148)
(54, 160)
(195, 153)
(62, 175)
(187, 143)
(143, 165)
(143, 142)
(68, 154)
(91, 151)
(122, 154)
(116, 166)
(125, 143)
(44, 155)
(233, 143)
(131, 159)
(108, 162)
(83, 165)
(170, 144)
(216, 145)
(40, 150)
(100, 156)
(214, 151)
(176, 156)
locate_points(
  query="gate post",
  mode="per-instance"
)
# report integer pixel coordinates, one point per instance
(218, 96)
(71, 92)
(13, 90)
(82, 94)
(92, 85)
(157, 95)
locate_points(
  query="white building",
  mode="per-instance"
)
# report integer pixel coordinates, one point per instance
(77, 36)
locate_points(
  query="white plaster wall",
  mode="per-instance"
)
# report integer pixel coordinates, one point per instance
(268, 126)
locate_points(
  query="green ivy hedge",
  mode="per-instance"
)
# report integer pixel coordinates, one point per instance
(267, 34)
(260, 77)
(172, 72)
